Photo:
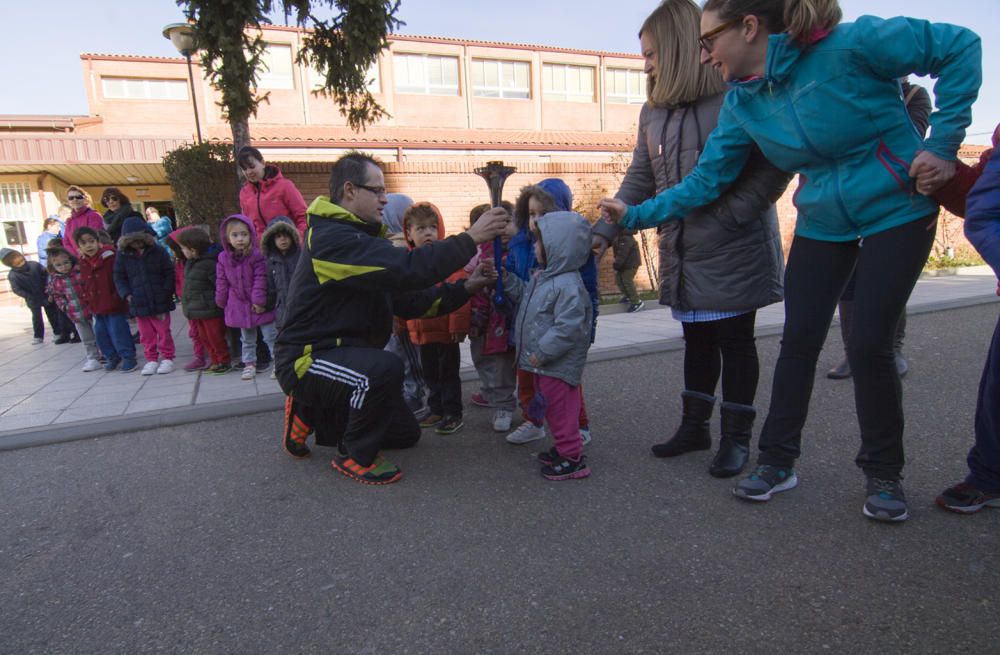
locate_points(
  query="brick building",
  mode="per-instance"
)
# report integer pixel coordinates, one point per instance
(453, 105)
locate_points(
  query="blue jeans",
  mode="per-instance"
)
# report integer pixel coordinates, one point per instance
(114, 337)
(984, 458)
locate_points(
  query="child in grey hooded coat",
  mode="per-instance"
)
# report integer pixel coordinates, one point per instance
(553, 327)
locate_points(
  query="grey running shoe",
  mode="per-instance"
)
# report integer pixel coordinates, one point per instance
(886, 501)
(765, 481)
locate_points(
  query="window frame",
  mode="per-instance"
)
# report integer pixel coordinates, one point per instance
(502, 93)
(267, 79)
(405, 58)
(630, 98)
(174, 82)
(553, 95)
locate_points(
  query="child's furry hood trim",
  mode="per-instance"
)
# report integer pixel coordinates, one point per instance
(280, 225)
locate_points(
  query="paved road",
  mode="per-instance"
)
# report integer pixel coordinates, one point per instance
(206, 538)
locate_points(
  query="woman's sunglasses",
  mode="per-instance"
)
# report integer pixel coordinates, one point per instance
(75, 197)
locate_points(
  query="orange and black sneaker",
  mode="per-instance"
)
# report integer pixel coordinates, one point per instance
(379, 472)
(296, 431)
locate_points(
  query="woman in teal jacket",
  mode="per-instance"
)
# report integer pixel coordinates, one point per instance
(821, 99)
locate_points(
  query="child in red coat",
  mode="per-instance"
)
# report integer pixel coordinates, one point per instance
(110, 311)
(437, 338)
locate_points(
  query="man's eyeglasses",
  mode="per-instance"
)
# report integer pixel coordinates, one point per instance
(707, 39)
(377, 190)
(75, 197)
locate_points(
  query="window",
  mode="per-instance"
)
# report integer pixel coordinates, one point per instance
(317, 79)
(426, 74)
(15, 202)
(13, 233)
(568, 83)
(625, 86)
(15, 207)
(492, 78)
(276, 72)
(127, 88)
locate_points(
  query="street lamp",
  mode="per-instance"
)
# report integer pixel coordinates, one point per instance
(182, 36)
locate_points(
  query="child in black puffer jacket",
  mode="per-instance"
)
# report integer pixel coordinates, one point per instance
(144, 277)
(198, 298)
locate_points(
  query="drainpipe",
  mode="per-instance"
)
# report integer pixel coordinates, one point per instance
(41, 193)
(600, 90)
(468, 89)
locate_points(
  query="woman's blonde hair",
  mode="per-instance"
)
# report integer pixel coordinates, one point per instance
(802, 19)
(86, 196)
(674, 28)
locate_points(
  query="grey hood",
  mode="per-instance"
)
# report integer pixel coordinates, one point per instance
(566, 240)
(392, 213)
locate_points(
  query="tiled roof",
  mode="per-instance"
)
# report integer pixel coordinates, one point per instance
(443, 139)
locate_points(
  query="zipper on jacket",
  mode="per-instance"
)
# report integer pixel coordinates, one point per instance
(812, 149)
(520, 327)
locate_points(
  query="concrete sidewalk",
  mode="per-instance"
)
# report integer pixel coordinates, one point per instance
(46, 398)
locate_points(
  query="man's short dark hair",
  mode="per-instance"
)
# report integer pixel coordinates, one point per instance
(353, 168)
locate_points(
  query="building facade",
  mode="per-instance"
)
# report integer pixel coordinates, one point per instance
(452, 105)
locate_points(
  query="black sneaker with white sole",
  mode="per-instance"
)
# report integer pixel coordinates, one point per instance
(886, 500)
(766, 481)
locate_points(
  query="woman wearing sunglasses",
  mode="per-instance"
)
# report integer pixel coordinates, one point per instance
(83, 215)
(119, 209)
(822, 99)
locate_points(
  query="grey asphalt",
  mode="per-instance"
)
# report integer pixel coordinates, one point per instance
(207, 538)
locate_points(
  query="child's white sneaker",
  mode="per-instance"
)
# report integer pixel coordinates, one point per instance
(91, 365)
(585, 435)
(501, 420)
(36, 341)
(150, 368)
(249, 372)
(166, 366)
(526, 432)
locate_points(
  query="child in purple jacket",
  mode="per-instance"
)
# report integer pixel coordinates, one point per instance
(241, 289)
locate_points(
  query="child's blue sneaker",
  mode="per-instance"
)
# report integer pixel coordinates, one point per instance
(112, 363)
(129, 365)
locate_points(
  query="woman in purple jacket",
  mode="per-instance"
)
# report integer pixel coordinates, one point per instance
(241, 289)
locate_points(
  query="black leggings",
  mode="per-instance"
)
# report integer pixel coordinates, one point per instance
(886, 269)
(725, 347)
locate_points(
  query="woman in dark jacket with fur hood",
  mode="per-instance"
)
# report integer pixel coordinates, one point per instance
(119, 210)
(723, 261)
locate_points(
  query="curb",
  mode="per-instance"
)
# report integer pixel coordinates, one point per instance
(79, 430)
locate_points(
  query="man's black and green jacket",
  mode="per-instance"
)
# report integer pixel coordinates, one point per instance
(351, 281)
